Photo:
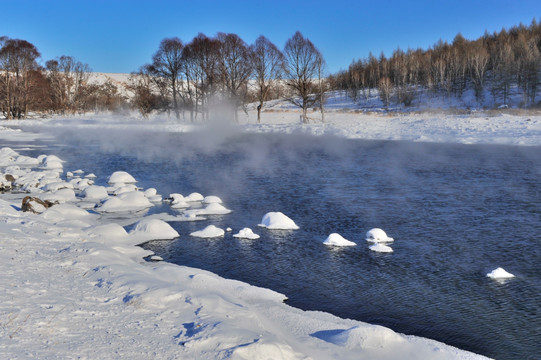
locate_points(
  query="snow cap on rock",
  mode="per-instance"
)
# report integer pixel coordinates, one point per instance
(335, 239)
(377, 235)
(278, 221)
(209, 232)
(121, 177)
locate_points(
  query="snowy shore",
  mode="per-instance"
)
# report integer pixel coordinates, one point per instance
(74, 287)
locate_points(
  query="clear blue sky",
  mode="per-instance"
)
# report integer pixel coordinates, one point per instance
(120, 36)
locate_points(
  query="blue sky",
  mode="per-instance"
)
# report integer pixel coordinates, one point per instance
(120, 36)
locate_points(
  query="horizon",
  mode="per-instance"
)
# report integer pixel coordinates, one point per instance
(120, 37)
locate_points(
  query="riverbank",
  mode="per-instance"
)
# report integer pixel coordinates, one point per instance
(68, 291)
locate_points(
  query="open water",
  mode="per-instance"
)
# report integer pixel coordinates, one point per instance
(456, 212)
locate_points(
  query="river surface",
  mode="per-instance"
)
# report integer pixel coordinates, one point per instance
(456, 212)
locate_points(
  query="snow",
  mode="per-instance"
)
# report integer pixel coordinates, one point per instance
(335, 239)
(152, 229)
(246, 233)
(210, 231)
(377, 235)
(94, 193)
(121, 177)
(500, 273)
(382, 248)
(212, 199)
(74, 280)
(195, 196)
(277, 221)
(132, 201)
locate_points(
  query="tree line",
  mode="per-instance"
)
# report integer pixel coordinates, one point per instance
(59, 87)
(493, 64)
(223, 73)
(218, 74)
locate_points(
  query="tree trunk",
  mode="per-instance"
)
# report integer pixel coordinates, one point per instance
(259, 112)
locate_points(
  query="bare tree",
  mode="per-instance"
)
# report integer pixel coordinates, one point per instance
(18, 60)
(267, 62)
(167, 63)
(478, 59)
(301, 71)
(235, 69)
(144, 97)
(385, 90)
(202, 71)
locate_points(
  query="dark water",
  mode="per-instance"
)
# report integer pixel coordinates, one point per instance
(456, 213)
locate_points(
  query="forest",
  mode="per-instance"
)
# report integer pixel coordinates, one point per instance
(223, 74)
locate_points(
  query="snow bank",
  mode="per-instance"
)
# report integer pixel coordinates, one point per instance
(209, 232)
(377, 235)
(277, 221)
(335, 239)
(246, 233)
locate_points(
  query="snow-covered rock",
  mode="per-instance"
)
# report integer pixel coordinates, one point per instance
(108, 232)
(62, 196)
(95, 193)
(126, 202)
(152, 195)
(277, 221)
(335, 239)
(210, 231)
(500, 273)
(377, 235)
(211, 199)
(246, 233)
(152, 229)
(213, 209)
(178, 201)
(195, 196)
(52, 162)
(121, 177)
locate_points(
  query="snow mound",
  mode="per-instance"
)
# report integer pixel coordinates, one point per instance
(335, 239)
(108, 232)
(123, 188)
(500, 273)
(214, 209)
(95, 193)
(377, 235)
(246, 233)
(121, 177)
(66, 212)
(52, 162)
(62, 196)
(152, 229)
(195, 196)
(57, 185)
(209, 232)
(361, 337)
(379, 247)
(178, 201)
(152, 195)
(127, 202)
(212, 199)
(277, 221)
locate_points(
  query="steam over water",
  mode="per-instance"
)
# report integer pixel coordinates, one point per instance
(456, 213)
